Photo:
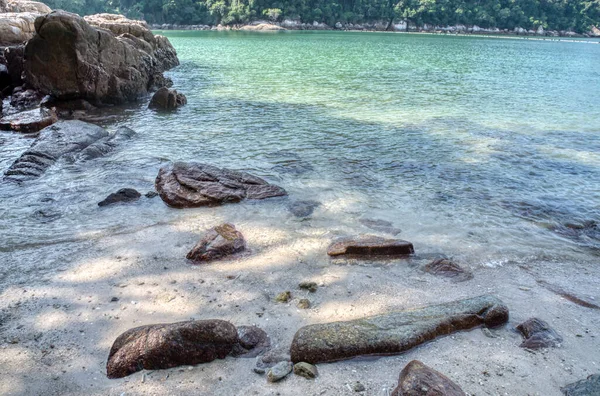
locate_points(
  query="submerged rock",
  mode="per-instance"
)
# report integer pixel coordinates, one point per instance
(268, 360)
(188, 185)
(395, 332)
(58, 140)
(69, 58)
(105, 145)
(304, 303)
(283, 297)
(449, 269)
(279, 371)
(587, 387)
(27, 121)
(303, 208)
(123, 195)
(23, 99)
(252, 341)
(417, 379)
(369, 245)
(167, 99)
(164, 346)
(538, 334)
(220, 241)
(310, 286)
(380, 225)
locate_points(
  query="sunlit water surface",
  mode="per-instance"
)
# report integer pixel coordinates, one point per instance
(479, 148)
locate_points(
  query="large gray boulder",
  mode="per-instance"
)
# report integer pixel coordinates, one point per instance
(70, 58)
(395, 332)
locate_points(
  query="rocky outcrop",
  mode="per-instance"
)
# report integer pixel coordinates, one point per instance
(56, 141)
(261, 27)
(188, 185)
(17, 20)
(417, 379)
(27, 121)
(167, 99)
(164, 346)
(394, 332)
(123, 195)
(538, 334)
(587, 387)
(69, 58)
(369, 245)
(448, 269)
(220, 241)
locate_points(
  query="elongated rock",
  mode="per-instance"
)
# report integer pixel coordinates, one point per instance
(370, 245)
(162, 346)
(417, 379)
(394, 332)
(58, 140)
(188, 185)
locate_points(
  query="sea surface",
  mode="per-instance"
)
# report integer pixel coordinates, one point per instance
(485, 149)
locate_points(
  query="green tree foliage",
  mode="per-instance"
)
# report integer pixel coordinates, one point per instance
(577, 15)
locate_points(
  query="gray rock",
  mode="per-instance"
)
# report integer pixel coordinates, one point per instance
(188, 185)
(304, 303)
(380, 225)
(303, 208)
(538, 334)
(306, 370)
(369, 245)
(252, 341)
(417, 379)
(123, 195)
(310, 286)
(105, 145)
(279, 371)
(56, 141)
(164, 346)
(358, 387)
(587, 387)
(394, 332)
(220, 241)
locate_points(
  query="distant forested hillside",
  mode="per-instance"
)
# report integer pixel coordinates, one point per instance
(576, 15)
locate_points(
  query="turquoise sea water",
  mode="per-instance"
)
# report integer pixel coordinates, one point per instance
(483, 148)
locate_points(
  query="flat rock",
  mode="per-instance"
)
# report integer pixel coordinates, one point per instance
(27, 121)
(380, 225)
(162, 346)
(587, 387)
(220, 241)
(188, 185)
(123, 195)
(394, 332)
(252, 341)
(417, 379)
(448, 269)
(279, 371)
(538, 334)
(105, 145)
(56, 141)
(370, 245)
(306, 370)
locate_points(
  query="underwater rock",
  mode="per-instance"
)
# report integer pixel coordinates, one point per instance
(369, 245)
(220, 241)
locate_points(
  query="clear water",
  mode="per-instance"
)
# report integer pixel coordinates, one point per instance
(479, 148)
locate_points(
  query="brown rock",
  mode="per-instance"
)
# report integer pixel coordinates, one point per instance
(417, 379)
(448, 269)
(188, 185)
(167, 99)
(370, 246)
(27, 121)
(218, 242)
(164, 346)
(538, 334)
(395, 332)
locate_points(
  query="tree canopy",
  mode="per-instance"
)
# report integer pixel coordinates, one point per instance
(576, 15)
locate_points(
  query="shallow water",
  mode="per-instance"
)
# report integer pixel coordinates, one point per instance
(479, 148)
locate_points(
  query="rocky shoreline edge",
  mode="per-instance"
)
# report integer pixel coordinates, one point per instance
(402, 26)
